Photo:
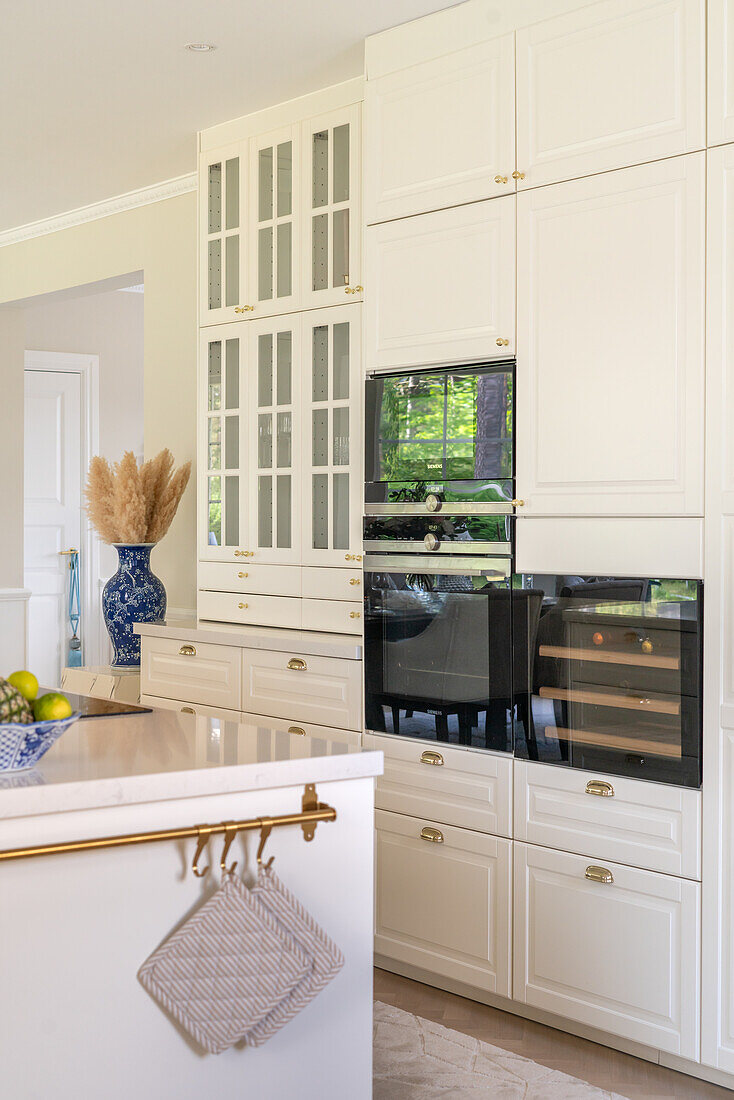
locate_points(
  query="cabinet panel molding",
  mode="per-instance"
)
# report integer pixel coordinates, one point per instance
(720, 68)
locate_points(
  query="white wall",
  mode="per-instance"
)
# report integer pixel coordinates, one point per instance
(12, 346)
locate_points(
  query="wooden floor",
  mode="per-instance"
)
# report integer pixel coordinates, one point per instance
(600, 1066)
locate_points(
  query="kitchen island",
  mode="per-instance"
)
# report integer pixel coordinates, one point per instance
(75, 926)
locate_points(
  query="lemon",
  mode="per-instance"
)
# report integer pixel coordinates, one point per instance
(25, 682)
(51, 707)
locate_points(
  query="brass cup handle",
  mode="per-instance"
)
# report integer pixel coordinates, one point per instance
(518, 175)
(297, 664)
(431, 757)
(434, 835)
(353, 289)
(500, 179)
(352, 557)
(501, 342)
(355, 580)
(187, 651)
(600, 787)
(599, 874)
(241, 575)
(244, 309)
(297, 729)
(242, 606)
(188, 710)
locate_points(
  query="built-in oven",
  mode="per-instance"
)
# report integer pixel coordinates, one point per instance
(438, 627)
(610, 668)
(442, 436)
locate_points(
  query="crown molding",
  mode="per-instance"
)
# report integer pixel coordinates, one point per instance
(144, 196)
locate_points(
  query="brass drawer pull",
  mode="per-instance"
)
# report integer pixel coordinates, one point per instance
(242, 606)
(296, 729)
(355, 580)
(355, 614)
(431, 757)
(187, 651)
(434, 835)
(500, 179)
(518, 175)
(244, 553)
(353, 289)
(241, 575)
(501, 343)
(297, 664)
(188, 710)
(517, 503)
(600, 787)
(599, 874)
(244, 309)
(352, 557)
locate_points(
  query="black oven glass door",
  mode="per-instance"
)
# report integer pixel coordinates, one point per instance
(613, 673)
(438, 650)
(432, 427)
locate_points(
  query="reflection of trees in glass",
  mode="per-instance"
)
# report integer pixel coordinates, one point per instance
(668, 589)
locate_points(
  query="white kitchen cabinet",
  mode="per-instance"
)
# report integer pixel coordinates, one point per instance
(191, 672)
(223, 277)
(441, 287)
(250, 610)
(274, 223)
(614, 84)
(443, 900)
(441, 133)
(621, 955)
(331, 254)
(303, 688)
(331, 427)
(720, 68)
(610, 354)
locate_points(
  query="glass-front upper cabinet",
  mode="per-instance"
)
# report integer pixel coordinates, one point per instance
(222, 485)
(273, 437)
(332, 459)
(332, 263)
(223, 267)
(274, 222)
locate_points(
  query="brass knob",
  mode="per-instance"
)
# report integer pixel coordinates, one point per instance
(434, 835)
(352, 557)
(296, 729)
(433, 503)
(187, 651)
(297, 664)
(353, 289)
(244, 309)
(500, 179)
(431, 757)
(242, 606)
(431, 541)
(188, 710)
(355, 614)
(600, 787)
(355, 580)
(240, 575)
(517, 503)
(599, 874)
(518, 175)
(647, 646)
(501, 343)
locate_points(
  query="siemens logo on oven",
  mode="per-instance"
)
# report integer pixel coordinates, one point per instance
(434, 465)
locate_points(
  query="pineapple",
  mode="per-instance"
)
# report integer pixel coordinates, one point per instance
(13, 707)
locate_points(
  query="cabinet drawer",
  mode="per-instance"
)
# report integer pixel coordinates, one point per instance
(643, 824)
(302, 688)
(307, 739)
(620, 956)
(335, 616)
(285, 580)
(469, 789)
(332, 584)
(192, 672)
(224, 607)
(444, 904)
(192, 708)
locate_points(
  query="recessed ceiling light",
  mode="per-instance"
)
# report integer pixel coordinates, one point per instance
(200, 47)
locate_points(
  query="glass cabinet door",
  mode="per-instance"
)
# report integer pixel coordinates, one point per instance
(273, 223)
(332, 459)
(332, 261)
(223, 270)
(272, 430)
(221, 484)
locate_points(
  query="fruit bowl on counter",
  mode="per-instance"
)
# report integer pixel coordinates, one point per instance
(29, 725)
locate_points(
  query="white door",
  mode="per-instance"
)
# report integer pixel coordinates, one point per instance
(441, 133)
(610, 357)
(52, 523)
(609, 946)
(274, 223)
(441, 287)
(617, 83)
(720, 67)
(443, 900)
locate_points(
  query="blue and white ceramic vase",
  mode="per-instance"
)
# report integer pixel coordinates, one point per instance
(133, 595)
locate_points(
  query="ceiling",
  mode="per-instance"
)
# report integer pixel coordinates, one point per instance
(100, 98)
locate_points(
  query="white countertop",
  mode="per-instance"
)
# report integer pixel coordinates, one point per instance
(162, 755)
(311, 642)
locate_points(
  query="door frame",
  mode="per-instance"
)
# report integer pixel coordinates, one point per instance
(87, 367)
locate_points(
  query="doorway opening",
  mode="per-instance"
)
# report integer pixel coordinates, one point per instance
(83, 376)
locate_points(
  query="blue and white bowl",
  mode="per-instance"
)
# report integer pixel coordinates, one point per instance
(22, 746)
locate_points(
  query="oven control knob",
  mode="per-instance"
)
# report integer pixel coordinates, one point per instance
(433, 504)
(431, 541)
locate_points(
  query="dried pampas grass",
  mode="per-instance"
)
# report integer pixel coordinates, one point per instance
(131, 504)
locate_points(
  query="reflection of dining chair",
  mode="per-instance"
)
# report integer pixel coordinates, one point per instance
(625, 591)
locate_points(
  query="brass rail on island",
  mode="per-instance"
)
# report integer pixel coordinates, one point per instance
(311, 814)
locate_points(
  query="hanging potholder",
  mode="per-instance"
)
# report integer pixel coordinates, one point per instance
(327, 959)
(226, 968)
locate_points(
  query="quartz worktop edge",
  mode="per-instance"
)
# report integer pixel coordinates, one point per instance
(311, 643)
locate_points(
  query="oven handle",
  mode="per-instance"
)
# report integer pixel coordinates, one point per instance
(448, 507)
(499, 568)
(474, 548)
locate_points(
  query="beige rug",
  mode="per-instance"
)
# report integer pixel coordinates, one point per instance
(415, 1059)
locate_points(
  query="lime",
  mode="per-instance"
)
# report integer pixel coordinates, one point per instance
(25, 682)
(51, 707)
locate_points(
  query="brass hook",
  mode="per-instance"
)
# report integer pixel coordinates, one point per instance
(201, 842)
(266, 827)
(230, 833)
